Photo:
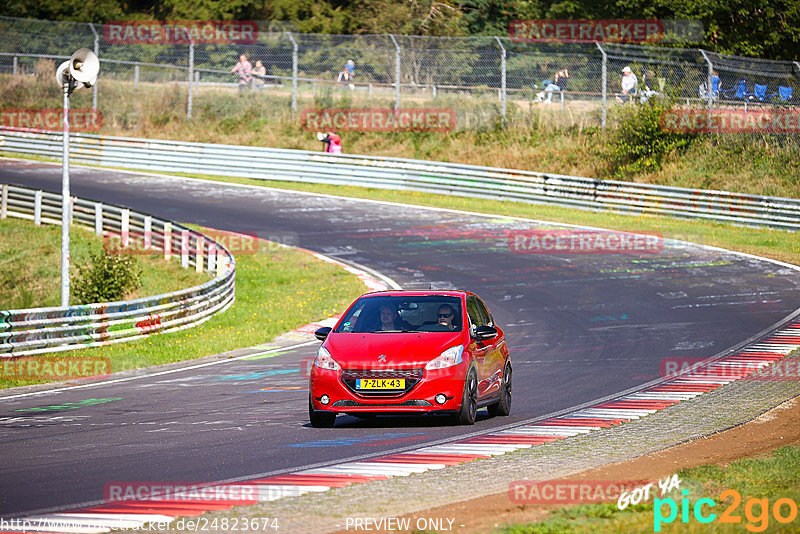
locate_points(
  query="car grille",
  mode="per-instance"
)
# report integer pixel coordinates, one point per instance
(411, 376)
(356, 404)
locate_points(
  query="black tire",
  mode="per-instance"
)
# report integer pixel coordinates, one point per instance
(469, 400)
(503, 406)
(320, 419)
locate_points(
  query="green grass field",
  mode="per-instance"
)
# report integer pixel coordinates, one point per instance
(747, 490)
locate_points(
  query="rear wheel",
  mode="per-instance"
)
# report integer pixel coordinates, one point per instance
(320, 419)
(503, 406)
(469, 401)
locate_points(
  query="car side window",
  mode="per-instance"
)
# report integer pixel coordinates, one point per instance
(485, 312)
(474, 312)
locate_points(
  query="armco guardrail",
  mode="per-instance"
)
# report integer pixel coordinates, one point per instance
(41, 330)
(405, 174)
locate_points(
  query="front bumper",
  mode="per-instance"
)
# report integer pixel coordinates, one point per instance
(420, 398)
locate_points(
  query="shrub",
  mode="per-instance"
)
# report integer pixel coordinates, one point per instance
(639, 144)
(106, 277)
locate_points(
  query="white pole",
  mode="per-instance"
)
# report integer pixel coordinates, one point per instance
(65, 200)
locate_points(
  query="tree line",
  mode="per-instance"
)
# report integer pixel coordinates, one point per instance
(757, 28)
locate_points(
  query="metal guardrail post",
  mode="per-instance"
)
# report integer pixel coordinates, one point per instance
(709, 80)
(191, 80)
(198, 254)
(136, 76)
(294, 73)
(167, 240)
(98, 219)
(396, 74)
(148, 231)
(14, 66)
(97, 53)
(125, 227)
(4, 201)
(604, 78)
(184, 248)
(502, 78)
(37, 208)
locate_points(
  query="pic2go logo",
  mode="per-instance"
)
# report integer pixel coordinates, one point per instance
(756, 511)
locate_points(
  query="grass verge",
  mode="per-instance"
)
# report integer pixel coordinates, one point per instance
(277, 289)
(759, 483)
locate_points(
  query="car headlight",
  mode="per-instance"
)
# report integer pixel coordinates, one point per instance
(448, 358)
(324, 360)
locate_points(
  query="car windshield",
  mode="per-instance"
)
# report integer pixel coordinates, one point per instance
(400, 314)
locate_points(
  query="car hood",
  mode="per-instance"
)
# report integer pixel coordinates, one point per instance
(407, 350)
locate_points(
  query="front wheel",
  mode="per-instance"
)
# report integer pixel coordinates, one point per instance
(503, 406)
(469, 401)
(320, 419)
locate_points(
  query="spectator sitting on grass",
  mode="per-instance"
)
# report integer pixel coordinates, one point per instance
(629, 85)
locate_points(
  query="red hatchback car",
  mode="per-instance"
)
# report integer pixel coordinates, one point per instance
(411, 352)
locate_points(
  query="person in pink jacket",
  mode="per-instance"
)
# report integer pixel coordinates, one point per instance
(244, 68)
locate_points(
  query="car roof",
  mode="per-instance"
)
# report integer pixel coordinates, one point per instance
(418, 293)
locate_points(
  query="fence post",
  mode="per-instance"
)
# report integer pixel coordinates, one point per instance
(15, 67)
(198, 254)
(604, 78)
(4, 201)
(191, 79)
(148, 230)
(212, 257)
(97, 53)
(125, 227)
(136, 76)
(710, 76)
(294, 73)
(37, 208)
(796, 64)
(185, 248)
(502, 79)
(396, 74)
(167, 240)
(98, 219)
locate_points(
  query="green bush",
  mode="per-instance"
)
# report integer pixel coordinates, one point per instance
(106, 277)
(640, 144)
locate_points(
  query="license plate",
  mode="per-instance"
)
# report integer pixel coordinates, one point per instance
(381, 383)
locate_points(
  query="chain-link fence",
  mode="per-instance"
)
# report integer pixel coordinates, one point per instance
(486, 81)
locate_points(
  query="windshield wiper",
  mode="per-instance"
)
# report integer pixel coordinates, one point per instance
(392, 331)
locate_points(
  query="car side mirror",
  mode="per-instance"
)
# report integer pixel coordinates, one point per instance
(482, 333)
(322, 333)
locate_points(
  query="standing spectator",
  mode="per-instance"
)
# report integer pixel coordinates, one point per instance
(259, 75)
(244, 69)
(629, 84)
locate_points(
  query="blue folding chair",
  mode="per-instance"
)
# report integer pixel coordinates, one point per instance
(784, 93)
(738, 93)
(759, 92)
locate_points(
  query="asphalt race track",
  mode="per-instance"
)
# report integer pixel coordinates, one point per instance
(580, 327)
